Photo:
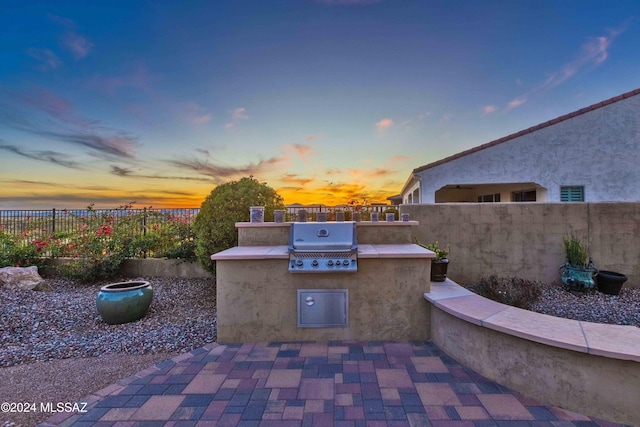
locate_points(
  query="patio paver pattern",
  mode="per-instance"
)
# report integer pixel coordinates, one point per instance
(315, 384)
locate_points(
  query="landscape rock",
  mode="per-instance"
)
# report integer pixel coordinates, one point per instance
(25, 278)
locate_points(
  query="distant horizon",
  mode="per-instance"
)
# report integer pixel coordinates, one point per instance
(137, 206)
(327, 101)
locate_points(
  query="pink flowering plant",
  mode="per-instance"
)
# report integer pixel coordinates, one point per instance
(31, 245)
(99, 240)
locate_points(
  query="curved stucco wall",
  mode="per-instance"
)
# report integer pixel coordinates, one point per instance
(599, 149)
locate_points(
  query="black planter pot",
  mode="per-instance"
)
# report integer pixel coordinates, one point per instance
(610, 282)
(439, 270)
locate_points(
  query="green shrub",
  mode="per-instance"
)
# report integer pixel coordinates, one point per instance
(513, 291)
(575, 251)
(179, 239)
(224, 206)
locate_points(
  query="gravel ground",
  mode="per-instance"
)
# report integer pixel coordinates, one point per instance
(591, 306)
(54, 347)
(622, 309)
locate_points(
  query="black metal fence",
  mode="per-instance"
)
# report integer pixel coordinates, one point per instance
(51, 221)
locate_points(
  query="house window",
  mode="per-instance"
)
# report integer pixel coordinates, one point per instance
(489, 198)
(523, 196)
(573, 193)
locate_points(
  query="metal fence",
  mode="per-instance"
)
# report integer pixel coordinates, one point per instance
(45, 222)
(49, 221)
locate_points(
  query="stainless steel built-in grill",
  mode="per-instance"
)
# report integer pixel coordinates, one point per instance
(323, 247)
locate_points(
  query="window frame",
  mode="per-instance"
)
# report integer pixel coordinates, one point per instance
(572, 193)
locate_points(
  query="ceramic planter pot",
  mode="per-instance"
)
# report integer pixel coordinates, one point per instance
(124, 302)
(577, 277)
(610, 282)
(439, 270)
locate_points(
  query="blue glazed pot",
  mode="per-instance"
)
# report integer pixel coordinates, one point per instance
(578, 278)
(124, 302)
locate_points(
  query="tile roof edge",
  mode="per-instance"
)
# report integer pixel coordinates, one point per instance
(532, 129)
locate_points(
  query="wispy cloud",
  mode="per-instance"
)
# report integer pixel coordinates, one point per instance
(137, 78)
(302, 150)
(130, 173)
(367, 174)
(593, 52)
(516, 103)
(342, 191)
(42, 196)
(76, 43)
(47, 59)
(384, 124)
(488, 109)
(79, 45)
(291, 178)
(51, 104)
(198, 120)
(398, 159)
(220, 173)
(237, 115)
(311, 138)
(66, 125)
(53, 157)
(445, 118)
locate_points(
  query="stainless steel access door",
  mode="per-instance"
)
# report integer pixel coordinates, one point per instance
(323, 308)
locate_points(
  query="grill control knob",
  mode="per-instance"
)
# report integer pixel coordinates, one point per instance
(314, 263)
(345, 262)
(299, 263)
(330, 263)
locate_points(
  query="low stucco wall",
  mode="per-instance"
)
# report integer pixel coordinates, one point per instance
(598, 386)
(590, 368)
(257, 301)
(149, 267)
(154, 267)
(525, 239)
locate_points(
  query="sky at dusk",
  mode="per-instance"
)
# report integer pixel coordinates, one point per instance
(328, 101)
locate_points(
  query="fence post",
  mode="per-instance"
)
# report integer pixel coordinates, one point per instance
(53, 221)
(144, 227)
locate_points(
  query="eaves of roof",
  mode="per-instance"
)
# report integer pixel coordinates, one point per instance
(529, 130)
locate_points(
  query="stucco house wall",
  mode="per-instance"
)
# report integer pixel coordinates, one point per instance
(597, 147)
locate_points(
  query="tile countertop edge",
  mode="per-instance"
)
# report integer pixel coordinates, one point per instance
(358, 224)
(365, 251)
(443, 291)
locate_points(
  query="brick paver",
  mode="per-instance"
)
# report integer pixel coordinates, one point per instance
(315, 384)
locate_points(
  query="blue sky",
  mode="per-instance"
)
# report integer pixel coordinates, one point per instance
(327, 101)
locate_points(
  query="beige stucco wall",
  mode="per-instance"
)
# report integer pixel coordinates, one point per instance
(602, 387)
(271, 234)
(257, 301)
(150, 267)
(525, 239)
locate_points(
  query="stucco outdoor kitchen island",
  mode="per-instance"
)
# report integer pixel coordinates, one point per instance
(258, 299)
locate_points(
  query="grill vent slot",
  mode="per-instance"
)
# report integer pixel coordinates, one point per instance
(322, 255)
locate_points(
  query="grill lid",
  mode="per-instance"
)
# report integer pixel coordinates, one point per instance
(323, 237)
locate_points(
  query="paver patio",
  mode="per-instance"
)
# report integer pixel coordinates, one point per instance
(315, 384)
